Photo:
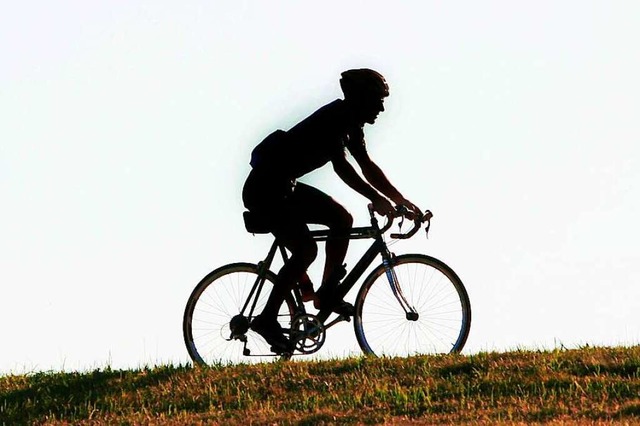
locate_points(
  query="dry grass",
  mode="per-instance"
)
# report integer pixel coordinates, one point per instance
(584, 386)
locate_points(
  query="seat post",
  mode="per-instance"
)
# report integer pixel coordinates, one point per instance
(264, 265)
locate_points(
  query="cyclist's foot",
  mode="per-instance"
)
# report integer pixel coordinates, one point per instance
(327, 300)
(272, 332)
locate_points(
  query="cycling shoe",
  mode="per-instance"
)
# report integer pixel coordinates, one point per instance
(343, 308)
(272, 332)
(327, 300)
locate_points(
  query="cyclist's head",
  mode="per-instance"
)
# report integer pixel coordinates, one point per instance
(365, 89)
(363, 83)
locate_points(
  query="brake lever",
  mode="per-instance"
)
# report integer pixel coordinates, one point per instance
(427, 218)
(402, 211)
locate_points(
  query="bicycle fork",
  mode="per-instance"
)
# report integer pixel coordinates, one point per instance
(396, 289)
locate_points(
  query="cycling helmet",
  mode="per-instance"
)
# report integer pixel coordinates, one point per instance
(363, 82)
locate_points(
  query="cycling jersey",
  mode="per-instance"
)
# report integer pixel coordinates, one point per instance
(310, 144)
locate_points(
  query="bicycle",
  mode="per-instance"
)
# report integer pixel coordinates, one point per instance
(410, 304)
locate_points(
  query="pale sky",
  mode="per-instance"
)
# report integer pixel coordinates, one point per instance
(126, 128)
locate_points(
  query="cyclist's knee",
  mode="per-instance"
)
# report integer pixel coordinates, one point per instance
(304, 254)
(348, 220)
(309, 253)
(342, 222)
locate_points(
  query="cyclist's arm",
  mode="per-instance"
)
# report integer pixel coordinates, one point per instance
(376, 177)
(350, 176)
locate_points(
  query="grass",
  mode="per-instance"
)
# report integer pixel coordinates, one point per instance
(591, 385)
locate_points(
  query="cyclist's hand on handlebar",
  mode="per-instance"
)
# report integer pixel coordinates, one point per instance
(414, 211)
(383, 207)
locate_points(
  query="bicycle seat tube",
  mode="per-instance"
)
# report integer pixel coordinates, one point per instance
(263, 268)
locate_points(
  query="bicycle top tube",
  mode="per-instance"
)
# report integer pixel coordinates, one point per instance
(374, 230)
(354, 234)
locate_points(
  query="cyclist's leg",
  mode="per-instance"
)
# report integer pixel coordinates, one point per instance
(295, 236)
(270, 198)
(314, 206)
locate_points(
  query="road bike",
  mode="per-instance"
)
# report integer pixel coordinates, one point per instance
(410, 304)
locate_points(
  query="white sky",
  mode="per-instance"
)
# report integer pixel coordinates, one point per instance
(126, 128)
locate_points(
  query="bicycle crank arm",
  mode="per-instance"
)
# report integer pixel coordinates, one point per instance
(339, 319)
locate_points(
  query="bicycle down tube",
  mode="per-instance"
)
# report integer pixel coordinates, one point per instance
(378, 247)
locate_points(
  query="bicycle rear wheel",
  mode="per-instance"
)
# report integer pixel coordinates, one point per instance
(437, 294)
(215, 302)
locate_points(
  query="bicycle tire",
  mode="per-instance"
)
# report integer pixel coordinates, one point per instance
(381, 325)
(217, 298)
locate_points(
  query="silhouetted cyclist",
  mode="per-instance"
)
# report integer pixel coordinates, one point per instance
(272, 193)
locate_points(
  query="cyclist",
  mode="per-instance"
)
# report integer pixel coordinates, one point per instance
(272, 192)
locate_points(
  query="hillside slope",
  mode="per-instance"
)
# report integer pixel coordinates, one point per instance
(577, 386)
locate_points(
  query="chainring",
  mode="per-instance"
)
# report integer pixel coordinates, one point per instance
(307, 333)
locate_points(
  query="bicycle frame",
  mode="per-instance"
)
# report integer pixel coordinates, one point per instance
(436, 290)
(378, 247)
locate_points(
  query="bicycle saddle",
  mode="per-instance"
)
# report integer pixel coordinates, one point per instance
(256, 224)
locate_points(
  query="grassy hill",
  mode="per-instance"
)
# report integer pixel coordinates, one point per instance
(583, 386)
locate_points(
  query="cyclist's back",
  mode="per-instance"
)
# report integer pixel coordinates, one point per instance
(310, 144)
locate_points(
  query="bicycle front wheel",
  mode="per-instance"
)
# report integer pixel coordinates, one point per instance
(433, 291)
(215, 306)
